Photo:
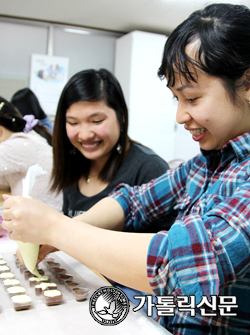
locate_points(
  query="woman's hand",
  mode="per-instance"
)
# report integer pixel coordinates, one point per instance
(44, 251)
(111, 253)
(19, 256)
(29, 220)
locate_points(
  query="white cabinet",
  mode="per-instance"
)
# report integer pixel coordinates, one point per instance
(151, 106)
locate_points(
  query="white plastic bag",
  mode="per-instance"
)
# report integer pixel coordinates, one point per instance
(30, 251)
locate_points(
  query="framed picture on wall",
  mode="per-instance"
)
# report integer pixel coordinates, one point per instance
(48, 76)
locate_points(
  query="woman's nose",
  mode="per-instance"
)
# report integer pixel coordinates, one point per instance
(86, 133)
(182, 115)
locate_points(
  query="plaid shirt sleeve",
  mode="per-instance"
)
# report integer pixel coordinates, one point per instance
(153, 201)
(201, 253)
(213, 250)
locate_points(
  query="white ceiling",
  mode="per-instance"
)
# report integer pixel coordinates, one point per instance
(159, 16)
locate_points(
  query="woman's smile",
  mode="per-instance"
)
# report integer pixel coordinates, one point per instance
(90, 146)
(198, 134)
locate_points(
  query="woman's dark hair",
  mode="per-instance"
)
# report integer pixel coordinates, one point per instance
(222, 32)
(27, 103)
(44, 132)
(92, 86)
(12, 119)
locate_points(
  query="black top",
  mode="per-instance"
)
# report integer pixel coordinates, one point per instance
(140, 166)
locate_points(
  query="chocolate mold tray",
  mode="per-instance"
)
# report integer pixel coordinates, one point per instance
(5, 300)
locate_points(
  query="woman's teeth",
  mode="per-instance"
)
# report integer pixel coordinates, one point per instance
(90, 146)
(197, 131)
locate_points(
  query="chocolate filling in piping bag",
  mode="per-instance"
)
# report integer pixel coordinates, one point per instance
(30, 251)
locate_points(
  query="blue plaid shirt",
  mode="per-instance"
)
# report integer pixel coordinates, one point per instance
(207, 251)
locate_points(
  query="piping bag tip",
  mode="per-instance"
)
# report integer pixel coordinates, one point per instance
(30, 251)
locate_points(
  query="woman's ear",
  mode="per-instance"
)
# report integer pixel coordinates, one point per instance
(247, 80)
(1, 134)
(247, 86)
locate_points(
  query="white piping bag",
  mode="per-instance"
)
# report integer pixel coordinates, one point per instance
(30, 251)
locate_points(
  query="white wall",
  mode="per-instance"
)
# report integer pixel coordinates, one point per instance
(85, 51)
(19, 40)
(152, 109)
(17, 43)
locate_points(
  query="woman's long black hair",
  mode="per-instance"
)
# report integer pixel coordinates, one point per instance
(93, 86)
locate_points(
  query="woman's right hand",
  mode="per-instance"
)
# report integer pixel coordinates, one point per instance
(30, 220)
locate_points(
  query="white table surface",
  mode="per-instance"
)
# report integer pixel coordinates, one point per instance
(71, 317)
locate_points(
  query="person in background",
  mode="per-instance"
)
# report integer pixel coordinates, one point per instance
(28, 104)
(20, 148)
(92, 150)
(199, 269)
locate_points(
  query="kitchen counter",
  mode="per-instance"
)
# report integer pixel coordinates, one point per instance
(70, 317)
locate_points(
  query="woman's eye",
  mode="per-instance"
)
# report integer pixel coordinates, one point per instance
(191, 100)
(175, 98)
(98, 121)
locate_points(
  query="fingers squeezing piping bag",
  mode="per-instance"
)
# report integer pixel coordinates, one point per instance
(30, 251)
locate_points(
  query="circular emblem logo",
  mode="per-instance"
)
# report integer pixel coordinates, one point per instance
(109, 306)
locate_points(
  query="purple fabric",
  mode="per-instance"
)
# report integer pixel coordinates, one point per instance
(31, 122)
(3, 232)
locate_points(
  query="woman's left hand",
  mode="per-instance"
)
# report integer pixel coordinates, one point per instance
(44, 251)
(19, 256)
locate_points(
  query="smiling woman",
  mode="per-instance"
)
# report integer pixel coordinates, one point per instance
(92, 150)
